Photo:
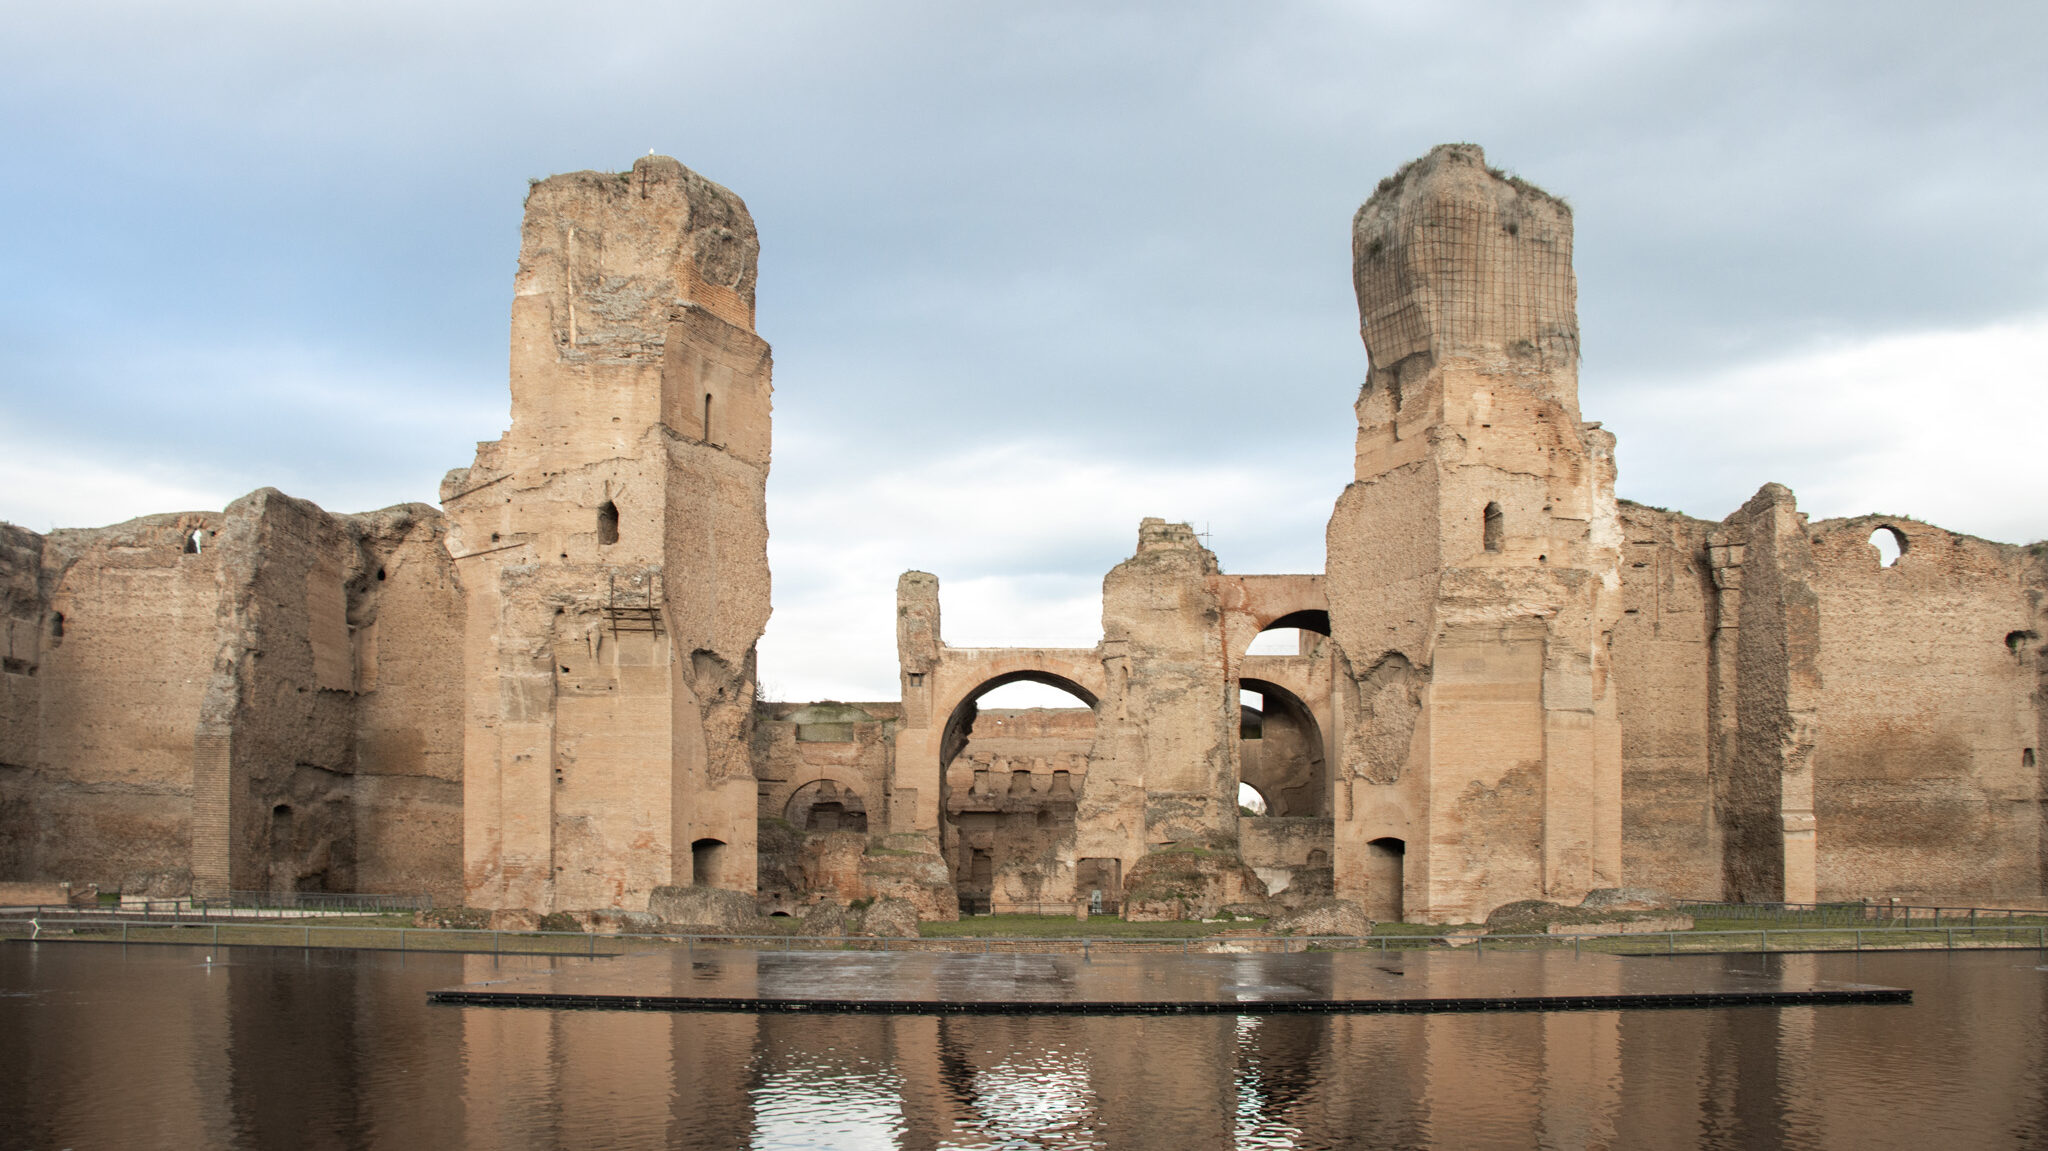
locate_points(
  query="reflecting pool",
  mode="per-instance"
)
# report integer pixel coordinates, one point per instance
(154, 1046)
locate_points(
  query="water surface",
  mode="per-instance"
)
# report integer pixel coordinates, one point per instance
(152, 1046)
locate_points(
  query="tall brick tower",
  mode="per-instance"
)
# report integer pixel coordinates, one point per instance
(1473, 563)
(613, 547)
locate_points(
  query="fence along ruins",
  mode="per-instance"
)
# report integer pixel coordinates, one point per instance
(1509, 684)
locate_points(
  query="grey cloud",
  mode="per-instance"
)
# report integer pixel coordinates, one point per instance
(1121, 228)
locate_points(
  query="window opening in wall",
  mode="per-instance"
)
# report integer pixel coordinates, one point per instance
(608, 523)
(56, 628)
(380, 575)
(1890, 543)
(2026, 757)
(1495, 527)
(1249, 801)
(193, 542)
(707, 417)
(706, 857)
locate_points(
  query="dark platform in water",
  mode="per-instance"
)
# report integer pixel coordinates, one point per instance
(1355, 982)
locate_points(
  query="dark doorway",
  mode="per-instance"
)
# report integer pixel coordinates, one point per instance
(707, 860)
(1384, 864)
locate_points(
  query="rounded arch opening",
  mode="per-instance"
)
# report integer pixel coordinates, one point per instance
(960, 724)
(1249, 801)
(195, 541)
(1013, 764)
(824, 805)
(1291, 634)
(707, 862)
(1280, 750)
(1891, 545)
(608, 523)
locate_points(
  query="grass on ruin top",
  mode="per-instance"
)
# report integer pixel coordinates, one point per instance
(1067, 927)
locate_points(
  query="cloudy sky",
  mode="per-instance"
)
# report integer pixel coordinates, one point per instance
(1031, 271)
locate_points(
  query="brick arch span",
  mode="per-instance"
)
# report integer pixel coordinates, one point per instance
(848, 778)
(1253, 603)
(1075, 671)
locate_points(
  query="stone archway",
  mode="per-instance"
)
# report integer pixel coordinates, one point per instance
(826, 805)
(1281, 757)
(1010, 783)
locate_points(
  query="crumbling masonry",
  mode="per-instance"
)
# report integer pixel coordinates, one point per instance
(1508, 684)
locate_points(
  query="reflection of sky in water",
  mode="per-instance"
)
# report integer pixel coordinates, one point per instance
(1034, 1102)
(815, 1107)
(1254, 1127)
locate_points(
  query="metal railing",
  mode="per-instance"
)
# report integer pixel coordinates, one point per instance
(1855, 913)
(204, 910)
(323, 901)
(261, 933)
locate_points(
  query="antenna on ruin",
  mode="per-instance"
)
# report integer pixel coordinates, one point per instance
(1203, 535)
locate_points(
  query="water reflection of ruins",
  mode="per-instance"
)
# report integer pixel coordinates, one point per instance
(275, 1048)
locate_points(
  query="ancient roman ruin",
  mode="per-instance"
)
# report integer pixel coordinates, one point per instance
(1508, 683)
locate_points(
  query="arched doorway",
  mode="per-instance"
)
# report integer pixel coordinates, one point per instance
(1285, 832)
(1280, 747)
(1013, 760)
(1385, 866)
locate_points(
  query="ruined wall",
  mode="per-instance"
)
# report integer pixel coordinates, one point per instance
(613, 546)
(1925, 778)
(1290, 853)
(190, 719)
(128, 644)
(24, 617)
(273, 770)
(1170, 722)
(1662, 650)
(823, 771)
(1767, 644)
(716, 560)
(1473, 563)
(405, 615)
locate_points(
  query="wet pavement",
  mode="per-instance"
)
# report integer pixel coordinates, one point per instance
(1140, 984)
